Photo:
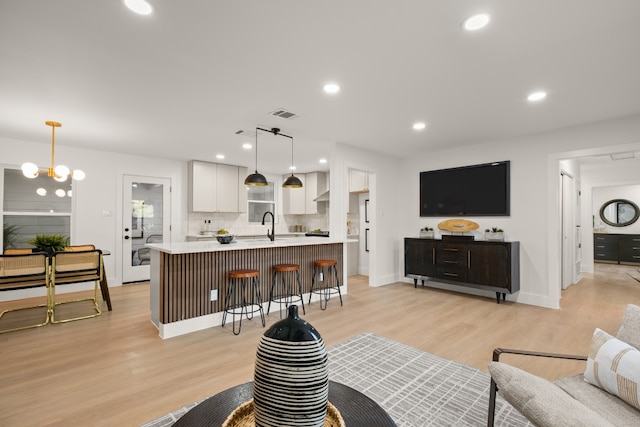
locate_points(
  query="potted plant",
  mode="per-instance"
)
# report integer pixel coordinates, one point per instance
(426, 233)
(494, 234)
(50, 243)
(9, 236)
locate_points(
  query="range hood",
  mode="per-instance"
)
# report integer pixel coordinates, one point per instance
(324, 197)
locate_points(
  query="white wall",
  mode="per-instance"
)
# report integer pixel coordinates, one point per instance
(535, 195)
(98, 205)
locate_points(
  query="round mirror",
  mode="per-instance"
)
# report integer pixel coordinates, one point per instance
(619, 212)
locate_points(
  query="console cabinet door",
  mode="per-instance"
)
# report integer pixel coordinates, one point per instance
(605, 247)
(629, 248)
(489, 265)
(419, 257)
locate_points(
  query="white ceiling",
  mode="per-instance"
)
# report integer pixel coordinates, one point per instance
(180, 82)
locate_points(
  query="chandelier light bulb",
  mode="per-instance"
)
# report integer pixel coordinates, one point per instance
(78, 175)
(30, 170)
(60, 178)
(41, 191)
(60, 192)
(61, 170)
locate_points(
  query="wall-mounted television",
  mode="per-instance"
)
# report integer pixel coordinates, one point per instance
(477, 190)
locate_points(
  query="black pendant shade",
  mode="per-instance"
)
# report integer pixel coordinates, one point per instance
(256, 179)
(292, 182)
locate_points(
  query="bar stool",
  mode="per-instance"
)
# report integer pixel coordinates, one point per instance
(243, 296)
(326, 285)
(283, 291)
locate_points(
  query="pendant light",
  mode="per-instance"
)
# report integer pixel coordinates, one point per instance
(256, 179)
(59, 172)
(292, 181)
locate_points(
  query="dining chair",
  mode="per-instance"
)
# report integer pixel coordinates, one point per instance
(21, 271)
(144, 254)
(78, 248)
(75, 267)
(18, 251)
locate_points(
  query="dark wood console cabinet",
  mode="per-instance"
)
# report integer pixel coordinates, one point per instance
(616, 247)
(493, 266)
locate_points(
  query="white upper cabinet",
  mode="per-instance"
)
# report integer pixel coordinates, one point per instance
(299, 201)
(358, 181)
(293, 199)
(316, 184)
(215, 187)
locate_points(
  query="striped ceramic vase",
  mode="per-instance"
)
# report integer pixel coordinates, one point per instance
(291, 379)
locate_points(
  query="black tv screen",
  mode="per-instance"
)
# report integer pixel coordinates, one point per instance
(478, 190)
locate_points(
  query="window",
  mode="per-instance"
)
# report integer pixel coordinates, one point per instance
(261, 200)
(33, 206)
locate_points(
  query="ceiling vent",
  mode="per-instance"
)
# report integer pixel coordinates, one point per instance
(284, 114)
(241, 132)
(622, 156)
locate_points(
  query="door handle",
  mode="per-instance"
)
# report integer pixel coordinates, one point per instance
(126, 237)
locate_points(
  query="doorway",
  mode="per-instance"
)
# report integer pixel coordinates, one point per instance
(146, 218)
(568, 220)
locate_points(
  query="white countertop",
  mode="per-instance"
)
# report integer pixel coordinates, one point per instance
(214, 246)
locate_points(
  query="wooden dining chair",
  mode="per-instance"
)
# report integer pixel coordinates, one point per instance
(21, 271)
(79, 248)
(18, 251)
(75, 267)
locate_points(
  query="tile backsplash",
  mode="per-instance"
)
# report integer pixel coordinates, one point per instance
(237, 223)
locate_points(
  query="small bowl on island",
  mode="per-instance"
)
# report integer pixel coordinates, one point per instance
(224, 237)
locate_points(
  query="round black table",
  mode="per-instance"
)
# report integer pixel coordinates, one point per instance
(356, 409)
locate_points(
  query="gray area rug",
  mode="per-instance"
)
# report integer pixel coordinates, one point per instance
(414, 387)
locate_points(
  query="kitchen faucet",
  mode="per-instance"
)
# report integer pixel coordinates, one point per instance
(271, 236)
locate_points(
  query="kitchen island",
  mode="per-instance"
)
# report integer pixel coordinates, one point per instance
(189, 279)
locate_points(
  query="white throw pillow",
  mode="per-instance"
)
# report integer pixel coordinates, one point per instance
(614, 366)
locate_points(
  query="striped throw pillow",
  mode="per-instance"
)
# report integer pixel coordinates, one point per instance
(614, 366)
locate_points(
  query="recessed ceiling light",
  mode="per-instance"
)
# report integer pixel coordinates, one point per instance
(476, 22)
(247, 146)
(220, 156)
(292, 168)
(323, 161)
(140, 7)
(537, 96)
(331, 88)
(419, 126)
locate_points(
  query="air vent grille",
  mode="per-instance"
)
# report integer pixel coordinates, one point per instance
(284, 114)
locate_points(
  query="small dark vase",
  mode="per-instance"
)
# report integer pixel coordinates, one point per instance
(291, 379)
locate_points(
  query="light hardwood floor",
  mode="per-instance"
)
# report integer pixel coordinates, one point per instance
(114, 370)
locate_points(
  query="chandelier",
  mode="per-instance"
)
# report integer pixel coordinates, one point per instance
(59, 172)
